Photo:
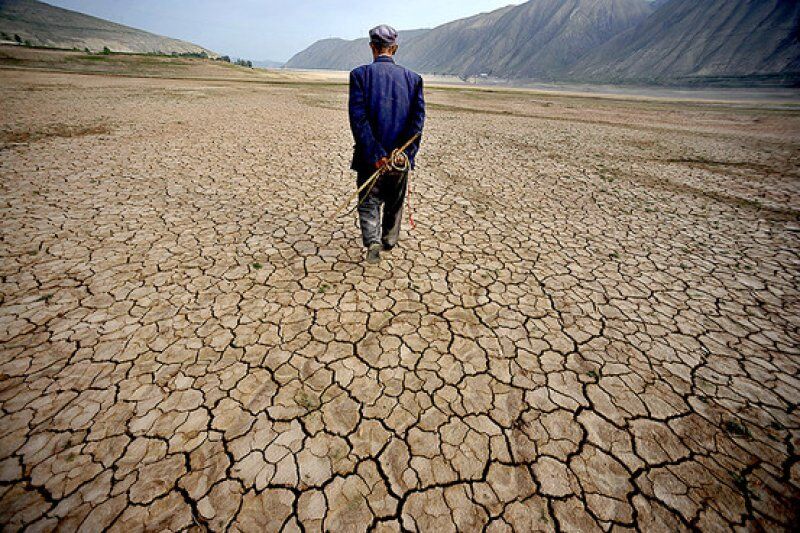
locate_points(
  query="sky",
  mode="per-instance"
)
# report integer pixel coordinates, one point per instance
(275, 29)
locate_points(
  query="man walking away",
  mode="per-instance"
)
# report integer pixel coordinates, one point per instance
(386, 108)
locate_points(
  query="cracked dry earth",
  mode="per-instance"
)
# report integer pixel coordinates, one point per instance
(594, 326)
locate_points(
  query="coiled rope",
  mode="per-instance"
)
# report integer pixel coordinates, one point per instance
(398, 162)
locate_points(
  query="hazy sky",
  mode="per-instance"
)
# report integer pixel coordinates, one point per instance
(275, 29)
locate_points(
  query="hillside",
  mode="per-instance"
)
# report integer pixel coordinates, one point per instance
(690, 41)
(268, 63)
(682, 42)
(532, 40)
(46, 25)
(341, 54)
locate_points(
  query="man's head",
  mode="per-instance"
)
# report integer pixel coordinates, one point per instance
(383, 40)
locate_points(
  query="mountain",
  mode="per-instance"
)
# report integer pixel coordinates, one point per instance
(268, 63)
(46, 25)
(692, 41)
(532, 40)
(340, 54)
(536, 39)
(726, 42)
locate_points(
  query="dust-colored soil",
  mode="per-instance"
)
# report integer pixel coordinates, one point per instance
(593, 327)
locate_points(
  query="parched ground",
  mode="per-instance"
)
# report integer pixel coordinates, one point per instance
(593, 327)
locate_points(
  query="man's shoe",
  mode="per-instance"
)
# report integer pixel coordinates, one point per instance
(374, 253)
(387, 247)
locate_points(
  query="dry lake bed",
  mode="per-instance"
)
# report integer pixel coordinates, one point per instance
(595, 325)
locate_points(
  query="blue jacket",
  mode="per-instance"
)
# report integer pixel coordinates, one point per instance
(386, 108)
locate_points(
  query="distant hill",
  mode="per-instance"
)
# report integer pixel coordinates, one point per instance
(266, 63)
(340, 54)
(46, 25)
(700, 42)
(531, 40)
(727, 42)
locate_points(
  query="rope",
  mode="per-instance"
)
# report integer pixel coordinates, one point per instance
(398, 161)
(408, 205)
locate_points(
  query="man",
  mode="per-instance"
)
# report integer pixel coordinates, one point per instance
(386, 108)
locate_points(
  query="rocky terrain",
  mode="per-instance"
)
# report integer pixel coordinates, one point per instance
(671, 42)
(46, 25)
(594, 326)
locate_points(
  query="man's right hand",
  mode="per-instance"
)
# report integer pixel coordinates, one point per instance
(382, 162)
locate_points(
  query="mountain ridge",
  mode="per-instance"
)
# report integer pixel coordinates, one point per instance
(665, 42)
(46, 25)
(483, 43)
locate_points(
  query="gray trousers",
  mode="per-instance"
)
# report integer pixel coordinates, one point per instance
(390, 192)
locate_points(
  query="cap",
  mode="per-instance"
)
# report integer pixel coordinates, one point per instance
(383, 34)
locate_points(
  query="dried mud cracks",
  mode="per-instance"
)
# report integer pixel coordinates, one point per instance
(595, 326)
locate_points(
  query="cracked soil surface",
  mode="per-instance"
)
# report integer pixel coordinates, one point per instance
(593, 327)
